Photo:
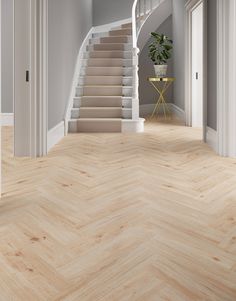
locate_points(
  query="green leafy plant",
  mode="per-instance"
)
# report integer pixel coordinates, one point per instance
(160, 50)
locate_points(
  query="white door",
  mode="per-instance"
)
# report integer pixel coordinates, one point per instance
(21, 77)
(197, 66)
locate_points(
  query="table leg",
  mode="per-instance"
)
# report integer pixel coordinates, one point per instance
(161, 99)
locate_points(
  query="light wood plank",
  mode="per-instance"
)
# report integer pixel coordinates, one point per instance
(114, 217)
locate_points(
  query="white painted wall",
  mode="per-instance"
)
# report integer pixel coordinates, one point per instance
(69, 23)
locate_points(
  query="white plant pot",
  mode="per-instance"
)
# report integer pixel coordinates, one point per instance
(160, 70)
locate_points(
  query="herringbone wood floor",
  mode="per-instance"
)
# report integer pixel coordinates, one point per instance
(112, 217)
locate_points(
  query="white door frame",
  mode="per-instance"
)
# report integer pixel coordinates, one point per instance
(226, 77)
(189, 7)
(38, 119)
(0, 98)
(39, 77)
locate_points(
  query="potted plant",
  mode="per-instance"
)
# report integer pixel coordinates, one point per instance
(160, 51)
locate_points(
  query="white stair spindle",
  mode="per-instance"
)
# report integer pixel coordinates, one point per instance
(140, 12)
(145, 7)
(151, 5)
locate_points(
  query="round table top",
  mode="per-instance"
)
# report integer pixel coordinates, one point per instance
(161, 79)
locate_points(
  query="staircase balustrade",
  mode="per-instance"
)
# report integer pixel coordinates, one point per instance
(140, 12)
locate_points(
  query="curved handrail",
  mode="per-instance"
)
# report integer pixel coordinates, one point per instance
(140, 12)
(134, 24)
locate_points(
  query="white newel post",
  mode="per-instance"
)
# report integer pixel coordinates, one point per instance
(135, 98)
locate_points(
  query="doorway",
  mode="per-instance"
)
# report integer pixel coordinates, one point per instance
(30, 80)
(196, 66)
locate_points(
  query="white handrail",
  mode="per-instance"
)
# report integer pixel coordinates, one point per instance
(140, 12)
(134, 26)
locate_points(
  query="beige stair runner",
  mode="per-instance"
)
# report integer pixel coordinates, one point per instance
(104, 93)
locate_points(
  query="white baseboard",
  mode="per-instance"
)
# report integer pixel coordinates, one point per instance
(7, 119)
(146, 110)
(178, 112)
(133, 126)
(75, 81)
(55, 135)
(109, 26)
(212, 139)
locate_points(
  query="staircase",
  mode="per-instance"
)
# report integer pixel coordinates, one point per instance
(107, 95)
(104, 93)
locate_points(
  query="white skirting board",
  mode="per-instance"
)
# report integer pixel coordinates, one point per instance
(7, 119)
(55, 135)
(148, 109)
(212, 139)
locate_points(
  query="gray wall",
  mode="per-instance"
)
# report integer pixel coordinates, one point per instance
(146, 93)
(69, 23)
(107, 11)
(179, 48)
(7, 56)
(212, 65)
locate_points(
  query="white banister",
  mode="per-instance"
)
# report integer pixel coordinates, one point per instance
(140, 12)
(151, 5)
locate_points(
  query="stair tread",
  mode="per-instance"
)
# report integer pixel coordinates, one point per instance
(119, 43)
(104, 86)
(102, 97)
(120, 67)
(108, 58)
(122, 36)
(113, 76)
(95, 119)
(98, 108)
(124, 51)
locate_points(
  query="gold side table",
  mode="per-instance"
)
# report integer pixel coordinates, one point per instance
(161, 85)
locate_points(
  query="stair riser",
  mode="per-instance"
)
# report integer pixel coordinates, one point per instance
(104, 62)
(101, 126)
(120, 32)
(101, 47)
(113, 33)
(116, 71)
(104, 91)
(103, 102)
(128, 25)
(100, 113)
(108, 54)
(108, 113)
(105, 81)
(111, 40)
